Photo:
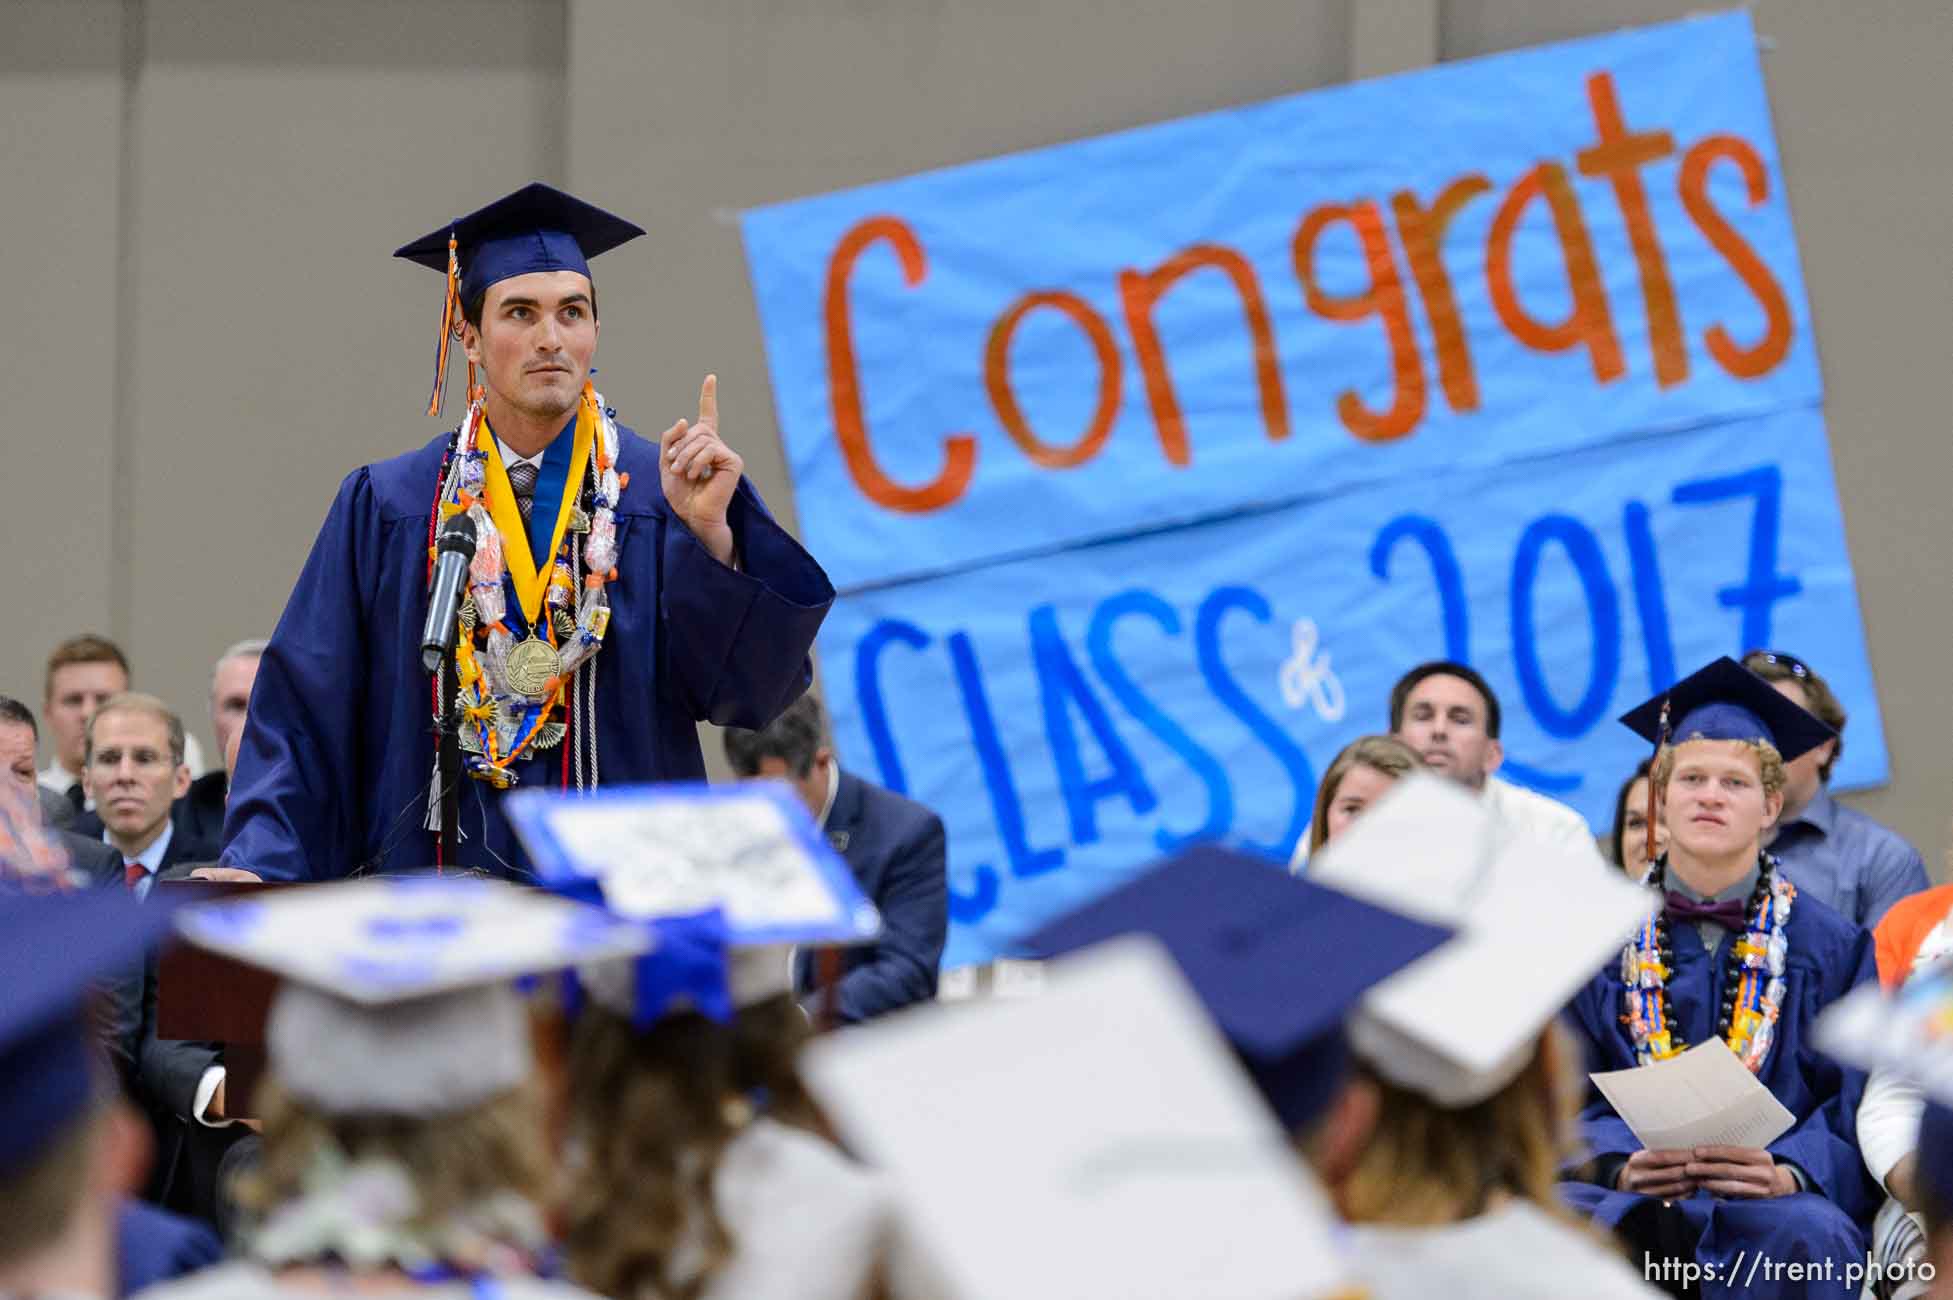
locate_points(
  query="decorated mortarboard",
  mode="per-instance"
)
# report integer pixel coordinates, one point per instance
(537, 228)
(397, 994)
(1726, 701)
(1098, 1141)
(55, 947)
(740, 866)
(1907, 1032)
(1535, 921)
(1278, 962)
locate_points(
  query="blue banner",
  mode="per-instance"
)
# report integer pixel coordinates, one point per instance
(1147, 464)
(1073, 720)
(1487, 261)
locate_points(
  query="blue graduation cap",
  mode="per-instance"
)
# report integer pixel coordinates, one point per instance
(1726, 701)
(54, 948)
(729, 876)
(537, 228)
(1279, 962)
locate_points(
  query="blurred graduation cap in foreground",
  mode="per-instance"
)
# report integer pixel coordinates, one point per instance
(55, 947)
(398, 994)
(1278, 962)
(1097, 1141)
(731, 877)
(1535, 922)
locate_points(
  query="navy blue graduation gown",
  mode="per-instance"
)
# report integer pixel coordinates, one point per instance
(334, 769)
(153, 1246)
(1828, 957)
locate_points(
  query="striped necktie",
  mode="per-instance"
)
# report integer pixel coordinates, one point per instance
(522, 479)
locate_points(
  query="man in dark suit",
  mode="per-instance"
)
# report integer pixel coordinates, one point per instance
(200, 813)
(894, 845)
(132, 766)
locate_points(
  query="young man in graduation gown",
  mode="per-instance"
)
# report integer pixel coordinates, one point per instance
(620, 592)
(1740, 954)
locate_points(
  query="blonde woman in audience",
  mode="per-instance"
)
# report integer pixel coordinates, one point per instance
(1357, 777)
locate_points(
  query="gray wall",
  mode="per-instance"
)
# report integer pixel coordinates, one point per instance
(204, 332)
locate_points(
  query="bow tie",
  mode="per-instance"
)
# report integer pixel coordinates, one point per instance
(1731, 914)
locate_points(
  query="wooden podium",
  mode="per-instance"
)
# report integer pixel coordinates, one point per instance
(202, 995)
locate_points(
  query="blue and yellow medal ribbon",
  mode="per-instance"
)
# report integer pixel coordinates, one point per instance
(531, 580)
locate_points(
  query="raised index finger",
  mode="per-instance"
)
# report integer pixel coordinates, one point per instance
(708, 402)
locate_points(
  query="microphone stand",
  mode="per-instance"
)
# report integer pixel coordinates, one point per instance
(447, 741)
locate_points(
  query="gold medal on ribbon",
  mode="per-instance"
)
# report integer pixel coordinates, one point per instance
(533, 665)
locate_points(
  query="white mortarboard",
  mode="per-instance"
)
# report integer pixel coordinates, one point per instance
(397, 993)
(1098, 1141)
(750, 851)
(1535, 921)
(1908, 1033)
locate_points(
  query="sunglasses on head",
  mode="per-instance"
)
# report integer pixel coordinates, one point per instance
(1789, 663)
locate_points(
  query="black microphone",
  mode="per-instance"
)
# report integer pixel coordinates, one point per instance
(452, 556)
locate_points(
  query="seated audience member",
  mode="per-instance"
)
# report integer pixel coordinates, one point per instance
(1913, 940)
(1448, 714)
(73, 1152)
(179, 1084)
(404, 1137)
(81, 673)
(200, 813)
(93, 861)
(1914, 934)
(1739, 953)
(1455, 1192)
(1357, 777)
(700, 1166)
(1630, 838)
(894, 846)
(132, 764)
(1830, 851)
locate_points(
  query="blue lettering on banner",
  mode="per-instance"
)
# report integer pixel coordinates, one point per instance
(1101, 727)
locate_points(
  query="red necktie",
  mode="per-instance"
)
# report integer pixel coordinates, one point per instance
(133, 873)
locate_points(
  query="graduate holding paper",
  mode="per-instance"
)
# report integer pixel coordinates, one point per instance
(1738, 954)
(620, 590)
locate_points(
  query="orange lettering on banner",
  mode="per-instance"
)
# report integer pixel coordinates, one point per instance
(1384, 298)
(1422, 230)
(1589, 320)
(1770, 350)
(1140, 292)
(1618, 156)
(844, 381)
(996, 378)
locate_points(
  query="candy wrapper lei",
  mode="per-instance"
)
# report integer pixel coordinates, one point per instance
(499, 723)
